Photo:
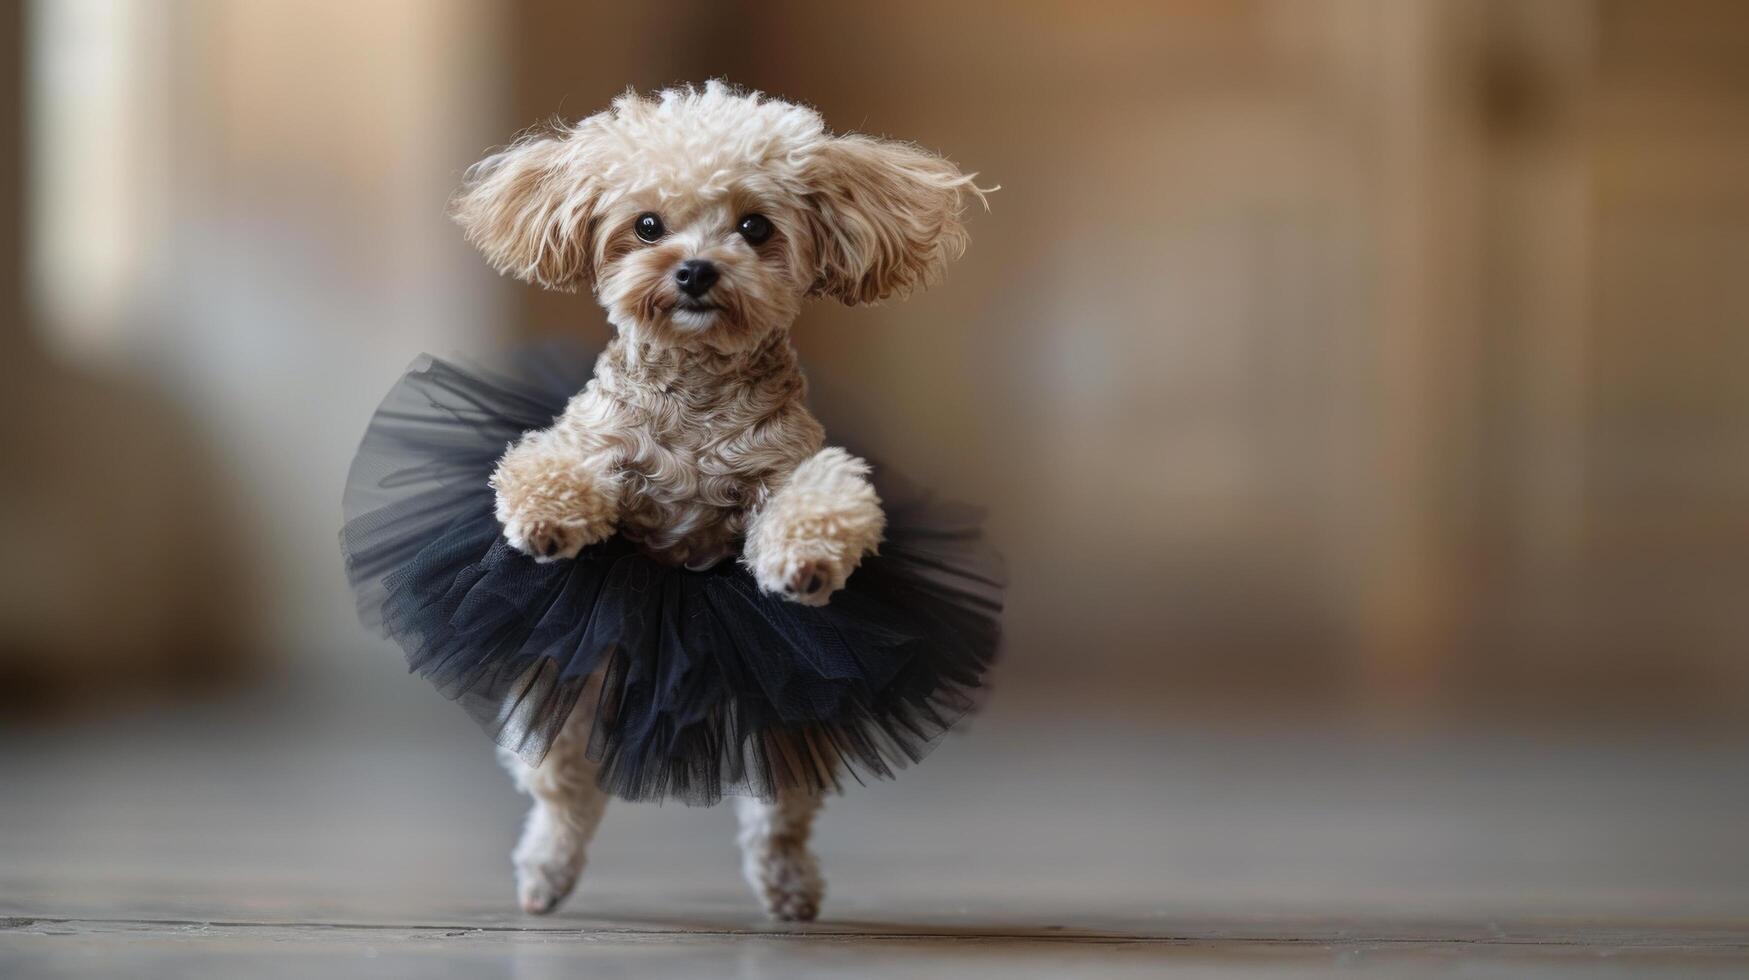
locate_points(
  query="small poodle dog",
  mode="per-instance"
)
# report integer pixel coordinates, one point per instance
(701, 219)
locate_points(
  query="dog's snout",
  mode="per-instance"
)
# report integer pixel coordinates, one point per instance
(695, 277)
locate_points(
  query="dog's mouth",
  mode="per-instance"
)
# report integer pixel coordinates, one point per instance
(693, 314)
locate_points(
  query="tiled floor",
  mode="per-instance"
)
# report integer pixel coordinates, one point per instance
(253, 841)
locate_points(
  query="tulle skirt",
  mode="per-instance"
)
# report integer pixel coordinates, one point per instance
(706, 684)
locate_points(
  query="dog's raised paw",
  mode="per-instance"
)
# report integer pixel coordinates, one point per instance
(546, 540)
(812, 583)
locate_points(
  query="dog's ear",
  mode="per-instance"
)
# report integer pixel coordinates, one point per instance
(530, 208)
(885, 215)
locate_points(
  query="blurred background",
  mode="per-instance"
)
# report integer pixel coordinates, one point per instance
(1360, 390)
(1382, 359)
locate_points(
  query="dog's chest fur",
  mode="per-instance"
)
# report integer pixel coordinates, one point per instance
(700, 440)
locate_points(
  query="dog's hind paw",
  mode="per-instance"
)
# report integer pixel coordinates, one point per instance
(541, 886)
(788, 883)
(538, 895)
(548, 862)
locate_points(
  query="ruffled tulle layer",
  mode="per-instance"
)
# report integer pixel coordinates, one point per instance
(707, 685)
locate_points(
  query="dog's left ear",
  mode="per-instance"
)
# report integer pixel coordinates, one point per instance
(885, 216)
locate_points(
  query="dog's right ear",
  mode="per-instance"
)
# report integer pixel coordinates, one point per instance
(531, 208)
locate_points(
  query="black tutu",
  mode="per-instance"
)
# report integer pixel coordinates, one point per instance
(708, 685)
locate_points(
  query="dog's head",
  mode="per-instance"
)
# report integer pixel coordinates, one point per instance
(705, 217)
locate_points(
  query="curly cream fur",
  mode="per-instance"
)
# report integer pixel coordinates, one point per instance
(693, 437)
(814, 531)
(552, 498)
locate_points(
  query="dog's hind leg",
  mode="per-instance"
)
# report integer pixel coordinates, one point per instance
(568, 806)
(775, 858)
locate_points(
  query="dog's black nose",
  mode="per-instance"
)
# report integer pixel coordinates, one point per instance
(695, 277)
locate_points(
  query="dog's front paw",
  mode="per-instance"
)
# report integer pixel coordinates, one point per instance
(547, 539)
(807, 572)
(551, 508)
(815, 530)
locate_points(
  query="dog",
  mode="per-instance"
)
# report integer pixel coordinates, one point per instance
(702, 219)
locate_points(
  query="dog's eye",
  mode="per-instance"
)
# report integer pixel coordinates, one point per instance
(648, 226)
(756, 228)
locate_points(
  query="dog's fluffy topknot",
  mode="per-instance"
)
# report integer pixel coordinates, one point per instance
(691, 141)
